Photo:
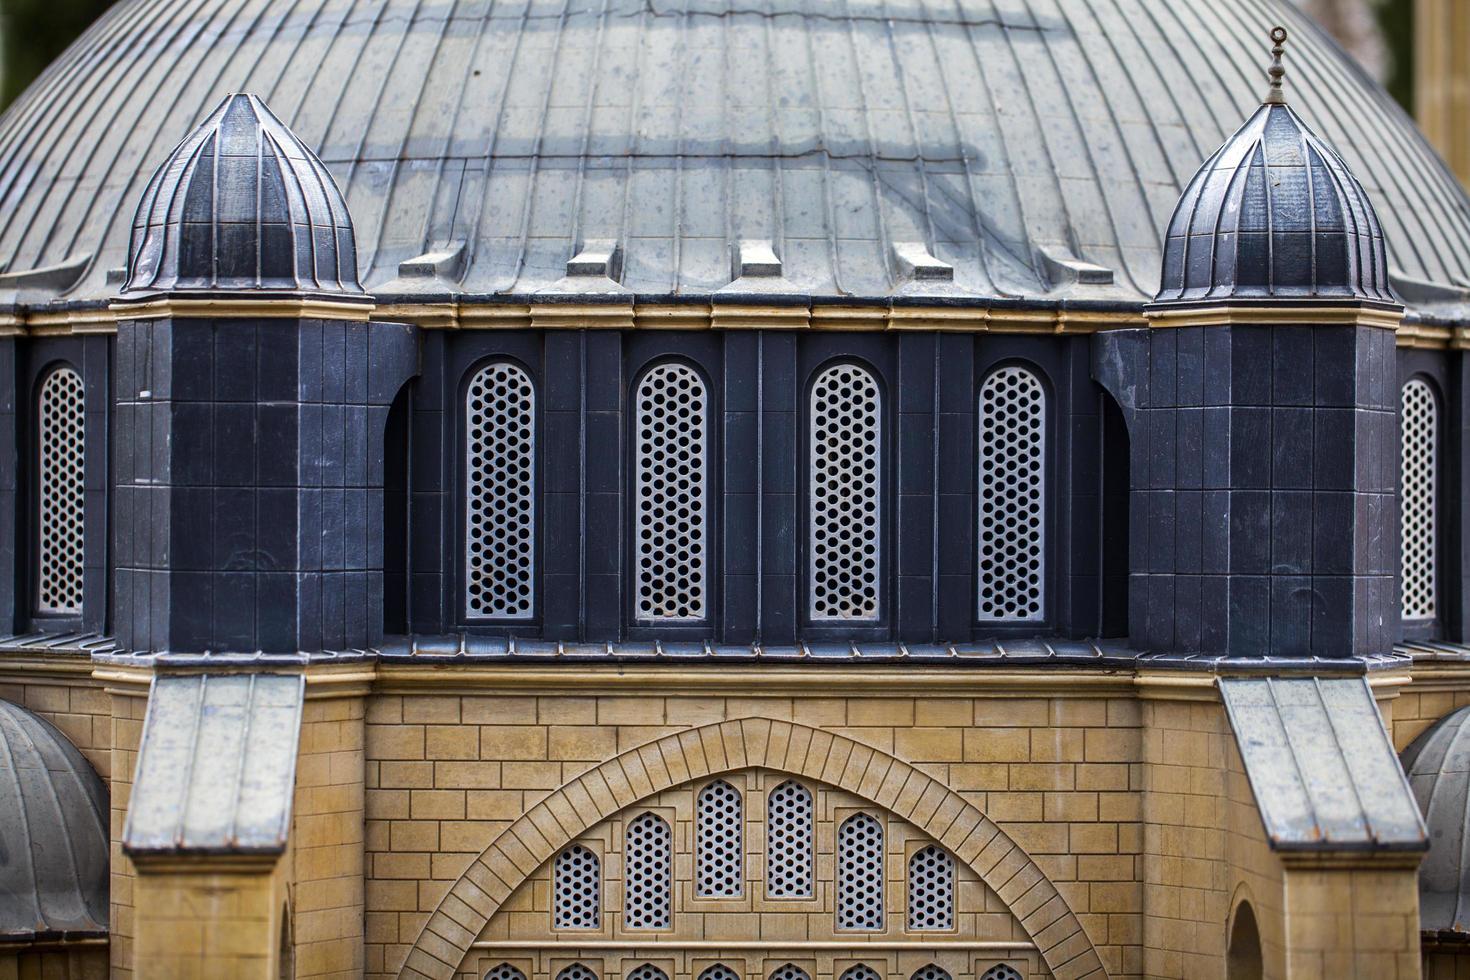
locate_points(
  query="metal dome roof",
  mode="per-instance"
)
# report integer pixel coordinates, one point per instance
(980, 150)
(54, 868)
(1438, 766)
(242, 204)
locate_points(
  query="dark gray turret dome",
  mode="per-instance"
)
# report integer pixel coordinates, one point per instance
(53, 834)
(241, 204)
(983, 152)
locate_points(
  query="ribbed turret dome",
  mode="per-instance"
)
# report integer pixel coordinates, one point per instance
(242, 204)
(1274, 214)
(1438, 765)
(53, 834)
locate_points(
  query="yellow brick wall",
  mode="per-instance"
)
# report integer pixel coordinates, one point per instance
(129, 705)
(76, 963)
(1353, 923)
(1060, 774)
(326, 840)
(218, 925)
(1440, 964)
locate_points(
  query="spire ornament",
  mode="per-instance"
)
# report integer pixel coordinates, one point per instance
(1274, 95)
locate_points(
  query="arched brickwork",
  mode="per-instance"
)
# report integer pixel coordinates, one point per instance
(723, 747)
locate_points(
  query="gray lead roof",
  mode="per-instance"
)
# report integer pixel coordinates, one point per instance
(1021, 142)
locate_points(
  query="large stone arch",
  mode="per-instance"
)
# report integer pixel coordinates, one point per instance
(709, 750)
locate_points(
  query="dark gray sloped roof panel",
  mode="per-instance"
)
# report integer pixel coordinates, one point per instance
(54, 862)
(1438, 764)
(1016, 142)
(1320, 765)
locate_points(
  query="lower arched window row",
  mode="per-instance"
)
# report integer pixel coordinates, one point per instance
(505, 972)
(577, 971)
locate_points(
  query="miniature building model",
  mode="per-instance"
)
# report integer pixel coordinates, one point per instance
(727, 491)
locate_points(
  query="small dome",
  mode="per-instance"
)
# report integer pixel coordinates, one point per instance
(54, 873)
(1438, 765)
(242, 204)
(1275, 214)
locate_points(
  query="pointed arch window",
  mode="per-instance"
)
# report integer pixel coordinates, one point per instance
(931, 889)
(789, 841)
(1418, 474)
(61, 495)
(789, 971)
(577, 971)
(647, 972)
(860, 873)
(504, 971)
(577, 889)
(1012, 480)
(860, 971)
(500, 493)
(671, 495)
(648, 868)
(845, 452)
(719, 851)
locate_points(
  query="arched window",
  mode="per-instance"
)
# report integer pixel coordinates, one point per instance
(1243, 956)
(500, 493)
(718, 845)
(931, 971)
(648, 873)
(577, 971)
(789, 971)
(671, 494)
(60, 470)
(1419, 450)
(845, 506)
(647, 972)
(860, 971)
(1001, 972)
(789, 841)
(578, 890)
(504, 971)
(931, 890)
(860, 873)
(1012, 521)
(719, 971)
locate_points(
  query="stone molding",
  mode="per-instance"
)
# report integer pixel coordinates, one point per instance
(788, 747)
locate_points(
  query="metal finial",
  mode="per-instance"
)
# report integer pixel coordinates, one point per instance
(1274, 94)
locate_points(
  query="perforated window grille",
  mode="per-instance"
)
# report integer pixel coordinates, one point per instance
(648, 867)
(60, 531)
(1419, 450)
(718, 841)
(647, 972)
(504, 972)
(671, 494)
(931, 889)
(846, 495)
(860, 873)
(789, 841)
(577, 971)
(578, 889)
(719, 972)
(500, 493)
(860, 971)
(930, 972)
(1012, 525)
(1001, 972)
(789, 971)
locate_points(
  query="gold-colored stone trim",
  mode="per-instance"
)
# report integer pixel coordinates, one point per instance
(582, 316)
(733, 316)
(204, 864)
(1244, 313)
(917, 943)
(1350, 860)
(293, 309)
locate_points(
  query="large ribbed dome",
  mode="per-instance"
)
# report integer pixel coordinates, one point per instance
(877, 149)
(54, 849)
(1438, 766)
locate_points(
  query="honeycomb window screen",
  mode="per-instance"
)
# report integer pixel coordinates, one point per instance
(789, 971)
(1001, 972)
(860, 873)
(845, 525)
(860, 971)
(1012, 519)
(789, 841)
(931, 889)
(60, 525)
(671, 495)
(646, 971)
(578, 889)
(577, 971)
(648, 870)
(504, 972)
(1419, 469)
(719, 972)
(719, 846)
(500, 493)
(931, 971)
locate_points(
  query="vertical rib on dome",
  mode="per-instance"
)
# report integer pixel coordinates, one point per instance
(242, 204)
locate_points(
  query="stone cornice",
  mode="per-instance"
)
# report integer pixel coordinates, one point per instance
(1223, 314)
(290, 308)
